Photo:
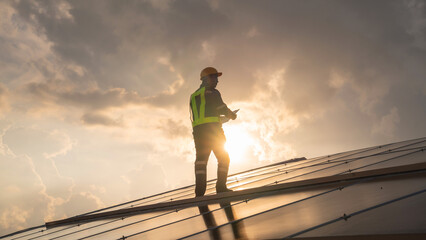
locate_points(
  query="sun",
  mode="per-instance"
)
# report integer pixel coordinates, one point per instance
(238, 142)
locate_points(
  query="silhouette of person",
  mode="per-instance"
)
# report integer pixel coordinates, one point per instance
(207, 107)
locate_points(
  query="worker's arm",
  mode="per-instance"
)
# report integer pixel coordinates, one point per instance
(227, 112)
(222, 109)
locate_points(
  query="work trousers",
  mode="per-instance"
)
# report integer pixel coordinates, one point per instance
(210, 138)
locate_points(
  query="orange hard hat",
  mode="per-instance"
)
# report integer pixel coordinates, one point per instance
(208, 71)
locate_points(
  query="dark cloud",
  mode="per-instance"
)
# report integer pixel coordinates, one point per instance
(78, 32)
(376, 48)
(91, 99)
(100, 119)
(118, 44)
(3, 92)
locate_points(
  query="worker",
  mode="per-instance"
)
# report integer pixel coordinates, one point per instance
(207, 108)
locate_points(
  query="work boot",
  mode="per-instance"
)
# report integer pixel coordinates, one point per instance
(221, 182)
(223, 189)
(200, 185)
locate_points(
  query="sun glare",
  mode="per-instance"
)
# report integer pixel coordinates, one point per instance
(238, 141)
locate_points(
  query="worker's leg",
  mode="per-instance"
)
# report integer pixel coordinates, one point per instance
(222, 170)
(223, 162)
(203, 150)
(201, 174)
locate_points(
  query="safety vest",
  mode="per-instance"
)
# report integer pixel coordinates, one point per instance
(199, 118)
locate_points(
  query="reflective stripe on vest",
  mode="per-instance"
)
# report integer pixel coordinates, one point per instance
(199, 117)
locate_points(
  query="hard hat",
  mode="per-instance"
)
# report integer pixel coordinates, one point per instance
(208, 71)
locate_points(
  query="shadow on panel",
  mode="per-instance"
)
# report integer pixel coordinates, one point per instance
(238, 230)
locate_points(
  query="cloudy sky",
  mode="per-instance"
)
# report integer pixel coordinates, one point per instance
(94, 94)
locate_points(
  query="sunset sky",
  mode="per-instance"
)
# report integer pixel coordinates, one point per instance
(94, 95)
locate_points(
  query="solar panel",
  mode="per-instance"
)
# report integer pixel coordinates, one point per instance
(386, 202)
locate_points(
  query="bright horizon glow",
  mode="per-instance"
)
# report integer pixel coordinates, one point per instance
(238, 142)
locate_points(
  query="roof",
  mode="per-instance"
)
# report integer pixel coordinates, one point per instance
(371, 193)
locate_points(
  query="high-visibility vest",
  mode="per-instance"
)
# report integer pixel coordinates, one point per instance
(199, 118)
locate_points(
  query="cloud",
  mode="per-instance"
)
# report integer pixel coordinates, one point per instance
(36, 178)
(417, 22)
(13, 217)
(265, 129)
(93, 39)
(66, 144)
(253, 32)
(100, 119)
(208, 52)
(387, 124)
(4, 105)
(18, 184)
(24, 52)
(160, 4)
(92, 99)
(34, 141)
(309, 77)
(174, 129)
(41, 148)
(79, 203)
(343, 45)
(305, 88)
(308, 66)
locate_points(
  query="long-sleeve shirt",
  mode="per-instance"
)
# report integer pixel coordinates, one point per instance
(214, 106)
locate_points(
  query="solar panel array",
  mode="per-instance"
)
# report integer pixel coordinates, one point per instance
(366, 206)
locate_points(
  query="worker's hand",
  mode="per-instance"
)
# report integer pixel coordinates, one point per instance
(233, 116)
